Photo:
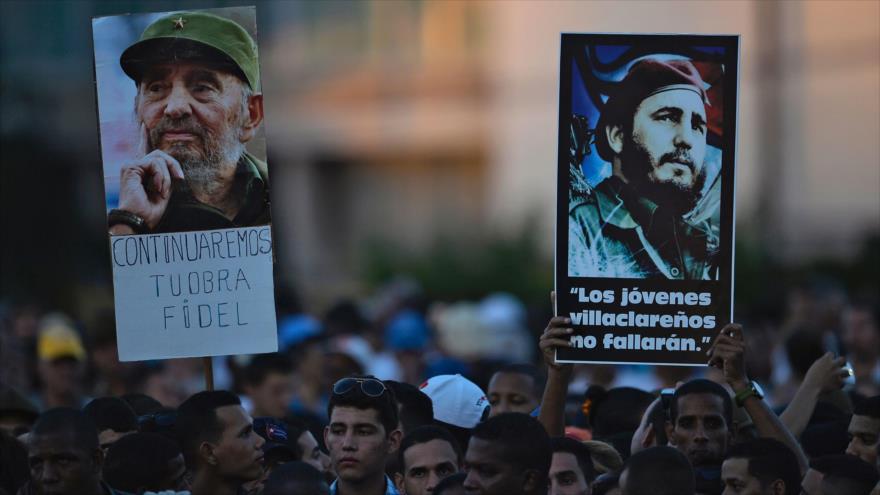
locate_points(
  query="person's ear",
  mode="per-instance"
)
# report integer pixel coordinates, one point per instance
(531, 481)
(326, 436)
(254, 117)
(394, 441)
(777, 487)
(98, 460)
(669, 433)
(398, 481)
(648, 439)
(614, 134)
(206, 452)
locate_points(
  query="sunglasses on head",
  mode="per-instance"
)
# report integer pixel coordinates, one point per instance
(370, 387)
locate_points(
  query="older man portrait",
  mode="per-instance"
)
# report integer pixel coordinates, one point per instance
(197, 105)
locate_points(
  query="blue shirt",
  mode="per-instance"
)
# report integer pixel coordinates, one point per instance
(390, 489)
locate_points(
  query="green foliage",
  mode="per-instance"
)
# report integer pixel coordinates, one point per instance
(449, 270)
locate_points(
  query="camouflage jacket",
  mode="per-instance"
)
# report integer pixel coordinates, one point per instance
(613, 232)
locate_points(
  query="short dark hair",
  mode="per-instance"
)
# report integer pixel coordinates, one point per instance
(702, 386)
(769, 460)
(529, 370)
(385, 405)
(845, 474)
(111, 413)
(296, 478)
(657, 417)
(262, 365)
(581, 453)
(142, 403)
(416, 408)
(197, 421)
(867, 407)
(802, 348)
(14, 461)
(523, 440)
(617, 410)
(138, 461)
(61, 420)
(659, 470)
(425, 434)
(451, 481)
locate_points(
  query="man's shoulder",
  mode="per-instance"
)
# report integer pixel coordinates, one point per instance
(261, 166)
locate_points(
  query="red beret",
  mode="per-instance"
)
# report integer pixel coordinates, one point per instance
(645, 78)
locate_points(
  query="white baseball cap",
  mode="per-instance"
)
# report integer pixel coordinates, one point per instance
(457, 400)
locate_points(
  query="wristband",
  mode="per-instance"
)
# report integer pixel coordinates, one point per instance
(125, 217)
(752, 390)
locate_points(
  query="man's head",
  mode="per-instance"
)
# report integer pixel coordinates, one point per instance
(861, 329)
(659, 471)
(17, 413)
(864, 430)
(571, 470)
(653, 130)
(615, 414)
(197, 98)
(427, 455)
(63, 453)
(296, 478)
(701, 422)
(840, 474)
(508, 454)
(362, 430)
(113, 417)
(217, 437)
(451, 485)
(62, 358)
(268, 382)
(307, 445)
(652, 429)
(413, 406)
(761, 467)
(145, 462)
(515, 388)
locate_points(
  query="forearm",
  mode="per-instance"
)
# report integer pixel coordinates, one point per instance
(768, 425)
(797, 413)
(552, 414)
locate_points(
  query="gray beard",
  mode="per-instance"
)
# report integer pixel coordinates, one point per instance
(202, 172)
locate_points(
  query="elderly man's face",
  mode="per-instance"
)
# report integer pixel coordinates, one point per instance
(665, 152)
(194, 113)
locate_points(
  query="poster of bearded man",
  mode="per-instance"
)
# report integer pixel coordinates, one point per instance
(645, 182)
(186, 182)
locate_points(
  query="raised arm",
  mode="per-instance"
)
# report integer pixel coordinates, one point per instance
(552, 414)
(727, 353)
(826, 374)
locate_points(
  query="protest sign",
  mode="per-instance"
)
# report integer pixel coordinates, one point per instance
(186, 183)
(645, 199)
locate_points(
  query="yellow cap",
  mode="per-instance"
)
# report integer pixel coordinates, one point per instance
(57, 340)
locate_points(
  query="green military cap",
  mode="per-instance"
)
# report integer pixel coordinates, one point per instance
(194, 36)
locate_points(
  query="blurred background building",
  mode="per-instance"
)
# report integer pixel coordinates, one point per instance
(419, 138)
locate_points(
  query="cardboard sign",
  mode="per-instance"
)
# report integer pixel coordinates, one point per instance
(186, 183)
(645, 205)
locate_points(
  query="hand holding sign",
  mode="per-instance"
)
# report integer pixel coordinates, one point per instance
(728, 354)
(146, 183)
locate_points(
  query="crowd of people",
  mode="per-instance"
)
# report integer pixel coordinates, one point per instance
(397, 396)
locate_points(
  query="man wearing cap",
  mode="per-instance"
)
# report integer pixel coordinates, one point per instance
(197, 105)
(633, 224)
(62, 364)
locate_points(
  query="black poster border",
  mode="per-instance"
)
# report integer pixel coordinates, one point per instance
(721, 289)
